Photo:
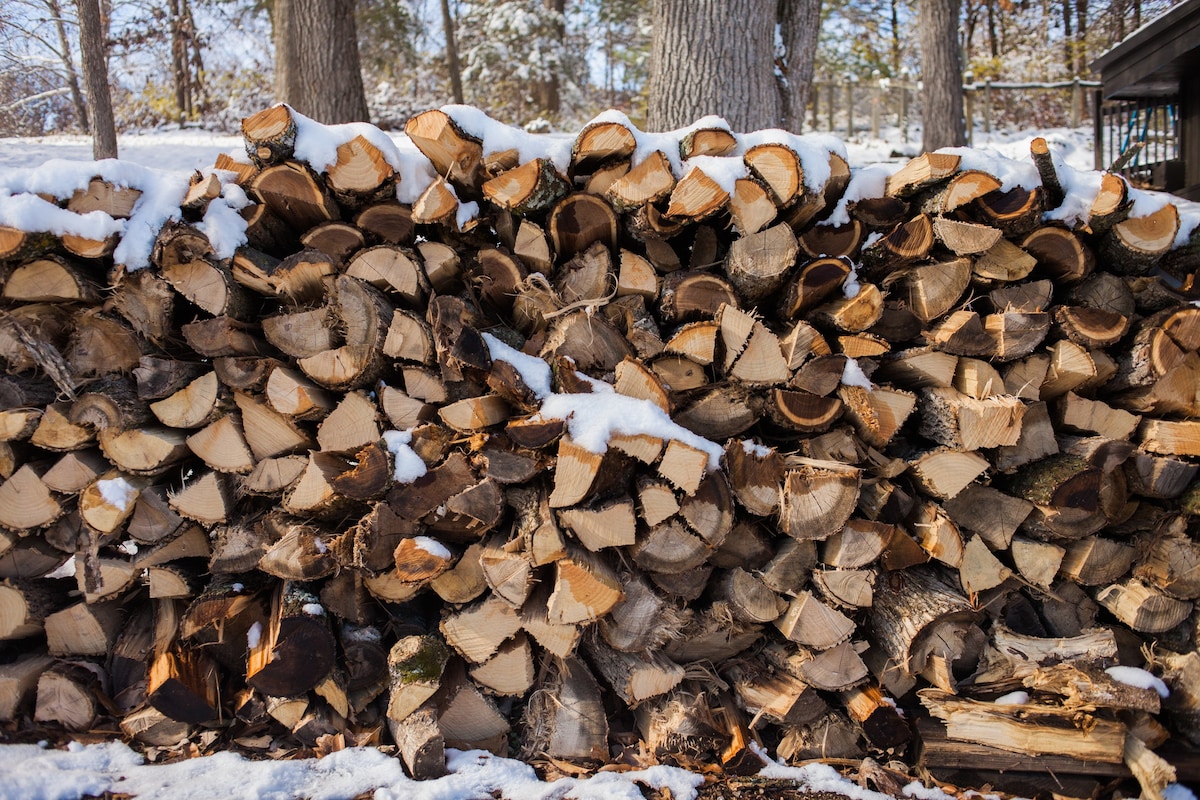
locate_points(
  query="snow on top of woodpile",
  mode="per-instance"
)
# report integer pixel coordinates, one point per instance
(593, 419)
(317, 144)
(498, 137)
(32, 199)
(23, 204)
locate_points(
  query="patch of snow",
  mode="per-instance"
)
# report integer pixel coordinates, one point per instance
(1017, 698)
(851, 286)
(238, 587)
(117, 492)
(433, 547)
(813, 150)
(319, 543)
(1011, 172)
(866, 182)
(852, 375)
(817, 777)
(129, 547)
(497, 137)
(64, 570)
(466, 213)
(222, 224)
(724, 170)
(1139, 678)
(753, 448)
(254, 635)
(38, 773)
(592, 419)
(533, 371)
(313, 609)
(407, 465)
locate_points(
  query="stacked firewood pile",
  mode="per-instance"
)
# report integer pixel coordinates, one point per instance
(634, 447)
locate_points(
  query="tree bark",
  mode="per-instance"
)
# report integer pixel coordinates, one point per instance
(95, 76)
(549, 88)
(702, 64)
(316, 60)
(81, 110)
(452, 64)
(800, 23)
(941, 68)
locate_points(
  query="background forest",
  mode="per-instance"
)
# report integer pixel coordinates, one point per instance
(547, 64)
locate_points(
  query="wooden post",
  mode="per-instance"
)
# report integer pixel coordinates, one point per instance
(849, 106)
(1076, 101)
(832, 107)
(876, 100)
(1098, 125)
(969, 106)
(987, 105)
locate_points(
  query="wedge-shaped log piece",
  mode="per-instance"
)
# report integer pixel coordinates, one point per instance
(1170, 438)
(1136, 243)
(1142, 607)
(932, 290)
(749, 599)
(567, 721)
(817, 497)
(956, 420)
(415, 667)
(924, 170)
(268, 432)
(907, 242)
(648, 182)
(295, 651)
(877, 413)
(477, 631)
(26, 503)
(755, 475)
(634, 677)
(585, 589)
(945, 473)
(207, 500)
(454, 152)
(183, 684)
(992, 514)
(777, 167)
(610, 525)
(392, 269)
(809, 622)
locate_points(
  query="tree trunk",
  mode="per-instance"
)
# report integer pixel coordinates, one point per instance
(316, 60)
(81, 110)
(800, 22)
(452, 54)
(548, 89)
(95, 75)
(941, 67)
(701, 64)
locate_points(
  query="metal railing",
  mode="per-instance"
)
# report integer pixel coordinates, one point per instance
(1152, 126)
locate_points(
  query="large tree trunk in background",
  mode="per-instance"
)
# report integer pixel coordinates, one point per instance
(69, 65)
(316, 60)
(941, 74)
(713, 57)
(800, 23)
(95, 76)
(452, 54)
(549, 97)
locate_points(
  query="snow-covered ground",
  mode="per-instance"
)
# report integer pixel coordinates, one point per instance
(30, 772)
(192, 149)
